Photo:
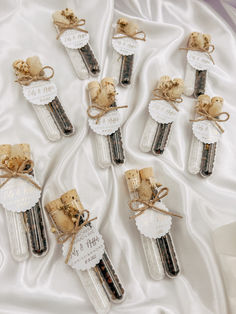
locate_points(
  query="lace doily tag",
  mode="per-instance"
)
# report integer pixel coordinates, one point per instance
(19, 195)
(199, 60)
(161, 111)
(153, 224)
(107, 124)
(74, 39)
(40, 92)
(125, 46)
(206, 131)
(88, 248)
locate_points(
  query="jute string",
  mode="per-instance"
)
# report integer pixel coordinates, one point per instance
(103, 111)
(63, 27)
(204, 115)
(205, 50)
(27, 79)
(125, 35)
(20, 172)
(150, 204)
(65, 236)
(161, 94)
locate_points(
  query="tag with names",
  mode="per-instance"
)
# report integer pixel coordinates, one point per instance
(206, 131)
(107, 124)
(125, 46)
(74, 39)
(161, 111)
(18, 194)
(88, 248)
(154, 224)
(40, 92)
(199, 60)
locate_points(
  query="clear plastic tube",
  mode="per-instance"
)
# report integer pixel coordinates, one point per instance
(47, 122)
(60, 117)
(103, 151)
(17, 236)
(95, 291)
(208, 159)
(148, 135)
(153, 258)
(104, 269)
(195, 155)
(151, 252)
(78, 63)
(189, 80)
(126, 70)
(200, 83)
(110, 279)
(168, 255)
(89, 59)
(161, 138)
(36, 231)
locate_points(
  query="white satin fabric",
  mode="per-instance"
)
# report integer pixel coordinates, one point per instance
(46, 285)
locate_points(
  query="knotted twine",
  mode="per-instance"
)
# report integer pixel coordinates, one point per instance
(134, 36)
(162, 94)
(21, 172)
(27, 79)
(204, 115)
(64, 27)
(65, 236)
(205, 50)
(150, 204)
(103, 111)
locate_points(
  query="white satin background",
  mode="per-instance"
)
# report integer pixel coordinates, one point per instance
(46, 285)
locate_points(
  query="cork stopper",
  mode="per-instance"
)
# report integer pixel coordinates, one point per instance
(172, 88)
(164, 82)
(20, 150)
(133, 179)
(146, 173)
(94, 89)
(72, 197)
(106, 81)
(199, 40)
(61, 220)
(35, 65)
(216, 106)
(58, 17)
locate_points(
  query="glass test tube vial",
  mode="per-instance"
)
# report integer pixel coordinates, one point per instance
(150, 248)
(104, 268)
(34, 220)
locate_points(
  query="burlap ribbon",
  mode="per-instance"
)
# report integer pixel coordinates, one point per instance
(150, 205)
(161, 94)
(204, 115)
(125, 35)
(103, 111)
(65, 236)
(27, 79)
(64, 27)
(205, 50)
(20, 172)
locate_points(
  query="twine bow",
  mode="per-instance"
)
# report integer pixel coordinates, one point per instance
(103, 111)
(27, 79)
(62, 238)
(205, 50)
(161, 94)
(150, 205)
(64, 27)
(20, 172)
(125, 35)
(216, 119)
